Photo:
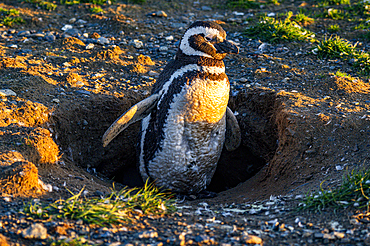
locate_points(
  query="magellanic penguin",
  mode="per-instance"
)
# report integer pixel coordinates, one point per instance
(186, 121)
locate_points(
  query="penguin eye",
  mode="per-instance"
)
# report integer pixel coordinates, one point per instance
(208, 37)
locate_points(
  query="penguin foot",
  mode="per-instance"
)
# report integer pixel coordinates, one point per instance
(206, 194)
(191, 197)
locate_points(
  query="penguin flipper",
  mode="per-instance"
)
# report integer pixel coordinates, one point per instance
(135, 113)
(233, 135)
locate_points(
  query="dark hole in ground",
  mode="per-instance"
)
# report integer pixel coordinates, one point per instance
(235, 167)
(81, 127)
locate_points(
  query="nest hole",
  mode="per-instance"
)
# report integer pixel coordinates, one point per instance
(79, 129)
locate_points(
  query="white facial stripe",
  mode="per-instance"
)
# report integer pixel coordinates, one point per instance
(185, 69)
(184, 45)
(213, 70)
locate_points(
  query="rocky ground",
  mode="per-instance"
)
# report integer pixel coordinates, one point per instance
(67, 74)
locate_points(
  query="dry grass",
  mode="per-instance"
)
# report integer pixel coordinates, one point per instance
(350, 84)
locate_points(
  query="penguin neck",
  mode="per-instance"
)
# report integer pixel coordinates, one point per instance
(199, 60)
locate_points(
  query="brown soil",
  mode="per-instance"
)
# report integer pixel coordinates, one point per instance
(67, 96)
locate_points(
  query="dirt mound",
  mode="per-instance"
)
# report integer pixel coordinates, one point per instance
(20, 179)
(20, 122)
(75, 80)
(110, 54)
(23, 113)
(73, 43)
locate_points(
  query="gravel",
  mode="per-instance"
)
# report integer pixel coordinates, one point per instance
(262, 222)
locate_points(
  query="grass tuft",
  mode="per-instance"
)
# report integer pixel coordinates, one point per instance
(43, 4)
(273, 30)
(334, 2)
(119, 207)
(52, 6)
(353, 192)
(343, 75)
(303, 19)
(80, 241)
(335, 47)
(362, 62)
(243, 4)
(8, 17)
(333, 28)
(96, 10)
(97, 2)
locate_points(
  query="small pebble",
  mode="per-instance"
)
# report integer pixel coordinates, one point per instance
(35, 231)
(66, 27)
(148, 234)
(103, 41)
(138, 44)
(251, 239)
(90, 46)
(206, 8)
(159, 13)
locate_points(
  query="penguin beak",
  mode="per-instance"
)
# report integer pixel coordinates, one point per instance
(227, 47)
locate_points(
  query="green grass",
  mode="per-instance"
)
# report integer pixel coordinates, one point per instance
(326, 3)
(8, 17)
(243, 4)
(72, 2)
(48, 5)
(343, 75)
(336, 14)
(333, 28)
(303, 19)
(337, 47)
(43, 4)
(363, 25)
(118, 208)
(272, 30)
(96, 10)
(362, 62)
(71, 242)
(353, 192)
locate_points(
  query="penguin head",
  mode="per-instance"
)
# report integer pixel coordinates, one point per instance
(206, 39)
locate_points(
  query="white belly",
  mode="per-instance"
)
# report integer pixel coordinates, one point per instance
(194, 134)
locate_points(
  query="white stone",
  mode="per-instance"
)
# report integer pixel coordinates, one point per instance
(102, 41)
(90, 46)
(169, 38)
(35, 231)
(67, 27)
(163, 48)
(339, 167)
(138, 44)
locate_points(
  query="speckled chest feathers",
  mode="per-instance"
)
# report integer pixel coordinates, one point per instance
(184, 121)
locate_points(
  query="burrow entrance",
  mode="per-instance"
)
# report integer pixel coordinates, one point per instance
(79, 130)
